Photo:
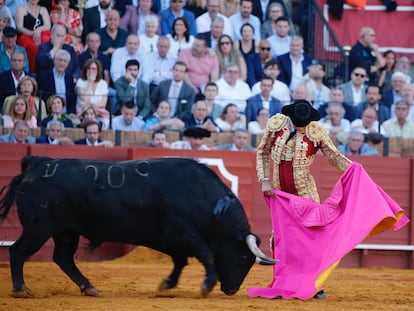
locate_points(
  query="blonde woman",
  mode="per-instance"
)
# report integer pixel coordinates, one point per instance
(19, 110)
(227, 53)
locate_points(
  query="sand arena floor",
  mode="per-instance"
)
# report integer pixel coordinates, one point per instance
(130, 283)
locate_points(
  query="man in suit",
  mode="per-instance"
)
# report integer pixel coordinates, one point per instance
(94, 17)
(58, 81)
(354, 89)
(373, 97)
(54, 134)
(256, 61)
(47, 52)
(19, 134)
(199, 118)
(216, 30)
(179, 94)
(262, 100)
(394, 94)
(240, 142)
(131, 88)
(10, 78)
(93, 134)
(289, 73)
(258, 9)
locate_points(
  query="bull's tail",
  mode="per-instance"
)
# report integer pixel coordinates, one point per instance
(7, 201)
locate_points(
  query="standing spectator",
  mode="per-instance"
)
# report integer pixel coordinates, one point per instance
(400, 126)
(394, 94)
(280, 90)
(210, 93)
(280, 41)
(294, 64)
(368, 122)
(180, 36)
(365, 53)
(228, 53)
(159, 140)
(193, 139)
(55, 105)
(258, 127)
(216, 31)
(19, 110)
(240, 141)
(70, 18)
(230, 119)
(263, 100)
(205, 20)
(255, 62)
(175, 10)
(334, 121)
(356, 146)
(199, 118)
(7, 47)
(318, 93)
(355, 89)
(54, 134)
(386, 71)
(179, 94)
(337, 96)
(133, 19)
(59, 81)
(112, 37)
(131, 50)
(162, 119)
(33, 26)
(92, 89)
(93, 136)
(19, 134)
(373, 96)
(128, 121)
(47, 52)
(242, 17)
(131, 88)
(232, 89)
(203, 66)
(95, 17)
(162, 61)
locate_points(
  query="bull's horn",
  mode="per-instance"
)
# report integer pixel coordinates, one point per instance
(252, 244)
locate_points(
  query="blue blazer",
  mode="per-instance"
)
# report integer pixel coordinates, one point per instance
(382, 115)
(255, 102)
(285, 65)
(168, 18)
(7, 86)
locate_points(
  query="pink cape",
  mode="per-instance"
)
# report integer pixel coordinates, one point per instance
(311, 238)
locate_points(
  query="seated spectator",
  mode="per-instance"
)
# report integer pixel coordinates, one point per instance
(400, 126)
(94, 15)
(242, 17)
(19, 134)
(198, 7)
(232, 89)
(112, 37)
(47, 52)
(355, 88)
(54, 134)
(259, 126)
(227, 53)
(92, 136)
(368, 122)
(131, 88)
(256, 62)
(133, 19)
(7, 47)
(385, 72)
(55, 105)
(70, 18)
(280, 40)
(355, 146)
(6, 18)
(274, 11)
(229, 7)
(337, 96)
(179, 94)
(92, 89)
(280, 90)
(162, 119)
(216, 31)
(403, 65)
(407, 93)
(300, 92)
(199, 118)
(230, 119)
(205, 20)
(264, 99)
(193, 139)
(19, 110)
(394, 94)
(210, 93)
(246, 45)
(169, 15)
(128, 121)
(318, 93)
(202, 65)
(33, 25)
(159, 140)
(89, 113)
(27, 87)
(180, 36)
(334, 120)
(373, 100)
(148, 40)
(240, 141)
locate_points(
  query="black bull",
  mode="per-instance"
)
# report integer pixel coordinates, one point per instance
(176, 206)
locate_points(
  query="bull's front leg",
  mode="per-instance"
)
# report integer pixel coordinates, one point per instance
(210, 279)
(179, 263)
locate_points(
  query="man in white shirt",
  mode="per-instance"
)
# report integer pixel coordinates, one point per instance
(237, 20)
(128, 121)
(280, 41)
(162, 62)
(204, 21)
(231, 89)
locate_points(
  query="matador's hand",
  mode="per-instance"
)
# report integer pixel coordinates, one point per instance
(267, 189)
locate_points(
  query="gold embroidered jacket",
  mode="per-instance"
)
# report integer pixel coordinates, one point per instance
(300, 150)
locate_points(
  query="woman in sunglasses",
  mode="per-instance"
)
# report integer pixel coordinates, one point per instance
(227, 53)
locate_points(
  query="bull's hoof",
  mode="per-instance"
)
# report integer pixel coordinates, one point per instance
(167, 284)
(90, 291)
(207, 287)
(25, 292)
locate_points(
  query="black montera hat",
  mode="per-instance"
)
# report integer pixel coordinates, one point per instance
(301, 112)
(197, 132)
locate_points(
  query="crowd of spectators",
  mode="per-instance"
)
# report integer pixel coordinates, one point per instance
(218, 65)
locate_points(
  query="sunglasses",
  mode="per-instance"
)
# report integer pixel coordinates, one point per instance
(359, 75)
(177, 1)
(265, 49)
(225, 43)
